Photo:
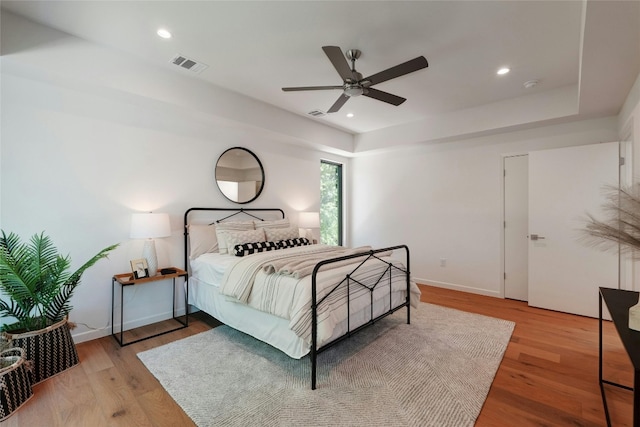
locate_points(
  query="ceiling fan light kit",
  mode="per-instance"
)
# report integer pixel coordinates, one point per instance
(353, 84)
(353, 90)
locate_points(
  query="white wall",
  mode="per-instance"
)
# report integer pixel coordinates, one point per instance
(90, 135)
(445, 201)
(81, 152)
(629, 130)
(629, 120)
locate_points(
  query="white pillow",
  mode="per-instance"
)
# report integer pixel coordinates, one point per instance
(221, 229)
(277, 234)
(241, 237)
(202, 240)
(279, 223)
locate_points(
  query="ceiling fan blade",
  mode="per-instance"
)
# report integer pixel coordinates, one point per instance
(338, 104)
(399, 70)
(384, 96)
(293, 89)
(337, 58)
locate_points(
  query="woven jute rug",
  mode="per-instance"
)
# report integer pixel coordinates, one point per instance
(436, 371)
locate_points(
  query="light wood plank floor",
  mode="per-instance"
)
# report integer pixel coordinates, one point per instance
(548, 377)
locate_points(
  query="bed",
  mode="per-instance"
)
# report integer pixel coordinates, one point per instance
(249, 269)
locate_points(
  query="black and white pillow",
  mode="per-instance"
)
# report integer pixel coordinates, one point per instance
(252, 248)
(290, 243)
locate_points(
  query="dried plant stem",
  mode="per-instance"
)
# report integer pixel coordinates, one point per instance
(620, 230)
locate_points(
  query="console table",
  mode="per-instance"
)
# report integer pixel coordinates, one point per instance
(618, 302)
(127, 280)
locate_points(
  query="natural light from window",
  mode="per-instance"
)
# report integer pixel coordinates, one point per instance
(330, 203)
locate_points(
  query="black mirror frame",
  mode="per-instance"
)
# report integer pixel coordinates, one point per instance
(261, 171)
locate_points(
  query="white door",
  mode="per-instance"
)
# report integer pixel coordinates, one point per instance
(565, 184)
(516, 225)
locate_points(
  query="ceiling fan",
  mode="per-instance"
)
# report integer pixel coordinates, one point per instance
(355, 85)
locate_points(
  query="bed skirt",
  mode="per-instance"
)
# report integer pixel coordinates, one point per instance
(266, 327)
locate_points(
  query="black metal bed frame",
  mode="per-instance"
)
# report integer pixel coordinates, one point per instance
(347, 281)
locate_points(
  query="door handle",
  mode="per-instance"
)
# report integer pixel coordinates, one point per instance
(536, 237)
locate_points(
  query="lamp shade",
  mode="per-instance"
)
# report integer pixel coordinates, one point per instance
(309, 220)
(150, 225)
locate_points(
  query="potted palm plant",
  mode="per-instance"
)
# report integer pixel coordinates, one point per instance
(37, 287)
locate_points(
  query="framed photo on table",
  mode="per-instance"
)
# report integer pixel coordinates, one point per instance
(140, 268)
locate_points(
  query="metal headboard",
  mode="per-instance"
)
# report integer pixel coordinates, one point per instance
(234, 212)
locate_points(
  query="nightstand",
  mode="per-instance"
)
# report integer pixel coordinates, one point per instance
(125, 280)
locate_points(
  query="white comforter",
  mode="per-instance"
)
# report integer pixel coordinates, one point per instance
(250, 280)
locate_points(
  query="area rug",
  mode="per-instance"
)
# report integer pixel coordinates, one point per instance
(436, 371)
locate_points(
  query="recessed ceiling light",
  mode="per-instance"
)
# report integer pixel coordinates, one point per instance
(349, 115)
(165, 34)
(503, 70)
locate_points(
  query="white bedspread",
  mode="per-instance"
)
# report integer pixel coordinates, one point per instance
(210, 267)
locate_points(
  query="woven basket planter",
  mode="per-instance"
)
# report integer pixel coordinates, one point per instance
(15, 382)
(51, 350)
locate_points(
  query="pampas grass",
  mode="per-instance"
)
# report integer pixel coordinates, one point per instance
(620, 230)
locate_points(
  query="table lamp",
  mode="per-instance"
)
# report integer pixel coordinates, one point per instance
(309, 220)
(150, 226)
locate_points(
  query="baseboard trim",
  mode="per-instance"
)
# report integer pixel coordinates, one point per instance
(458, 287)
(132, 324)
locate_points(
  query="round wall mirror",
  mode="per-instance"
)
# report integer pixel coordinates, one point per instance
(239, 175)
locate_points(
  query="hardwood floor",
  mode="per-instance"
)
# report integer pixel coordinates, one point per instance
(548, 377)
(549, 373)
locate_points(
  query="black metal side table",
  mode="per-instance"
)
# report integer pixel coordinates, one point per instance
(618, 302)
(126, 279)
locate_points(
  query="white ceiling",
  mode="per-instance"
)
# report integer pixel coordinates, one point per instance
(256, 48)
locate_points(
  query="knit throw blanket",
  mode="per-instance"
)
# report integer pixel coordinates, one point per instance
(295, 262)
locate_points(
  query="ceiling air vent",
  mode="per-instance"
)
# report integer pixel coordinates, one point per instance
(317, 113)
(188, 64)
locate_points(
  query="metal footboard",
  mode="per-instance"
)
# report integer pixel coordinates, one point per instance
(347, 281)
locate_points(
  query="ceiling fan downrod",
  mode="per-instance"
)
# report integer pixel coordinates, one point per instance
(353, 88)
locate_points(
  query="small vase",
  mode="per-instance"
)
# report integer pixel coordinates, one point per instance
(634, 317)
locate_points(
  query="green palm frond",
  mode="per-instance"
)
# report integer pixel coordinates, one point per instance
(16, 310)
(59, 306)
(37, 281)
(19, 276)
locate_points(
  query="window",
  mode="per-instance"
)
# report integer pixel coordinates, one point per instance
(330, 203)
